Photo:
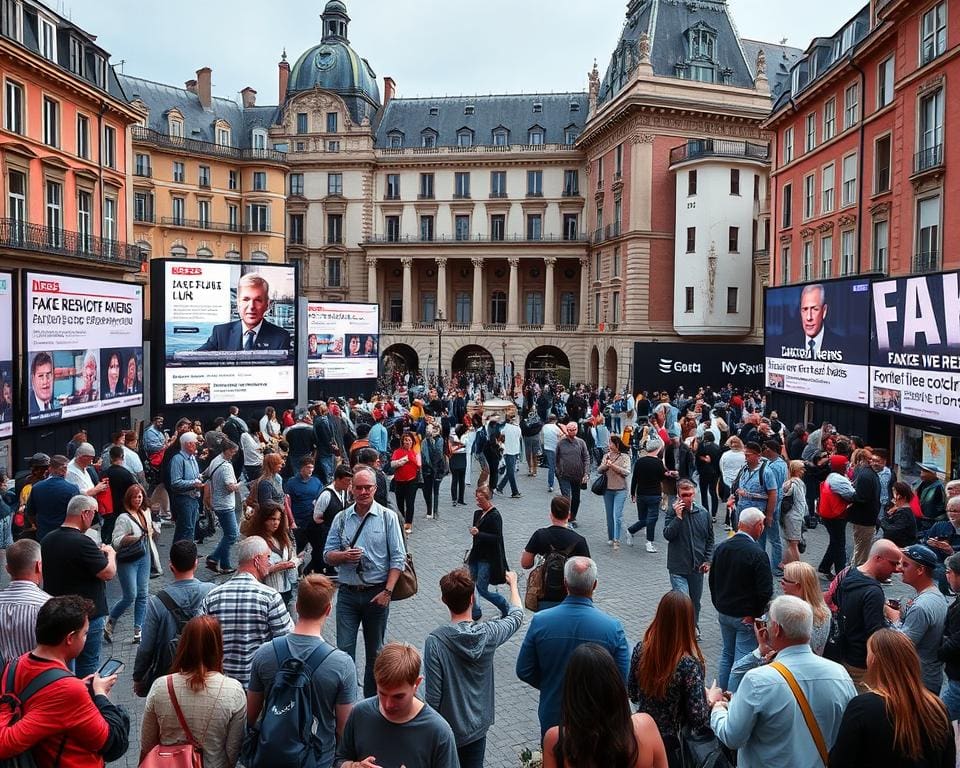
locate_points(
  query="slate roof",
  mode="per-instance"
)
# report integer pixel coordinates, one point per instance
(198, 123)
(780, 60)
(411, 117)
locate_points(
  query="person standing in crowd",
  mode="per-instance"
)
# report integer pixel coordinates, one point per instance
(865, 507)
(269, 425)
(251, 451)
(800, 580)
(667, 672)
(949, 651)
(592, 684)
(556, 537)
(740, 587)
(82, 473)
(406, 467)
(458, 663)
(199, 694)
(794, 494)
(944, 537)
(573, 468)
(551, 435)
(250, 613)
(530, 429)
(731, 462)
(48, 500)
(932, 495)
(776, 467)
(554, 635)
(512, 448)
(371, 460)
(220, 477)
(487, 559)
(645, 490)
(303, 489)
(301, 439)
(185, 485)
(269, 522)
(333, 499)
(21, 600)
(270, 484)
(898, 522)
(708, 470)
(754, 486)
(616, 466)
(434, 468)
(688, 529)
(459, 456)
(120, 479)
(897, 721)
(133, 531)
(836, 493)
(764, 721)
(366, 545)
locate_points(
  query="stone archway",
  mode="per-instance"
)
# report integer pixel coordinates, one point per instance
(399, 358)
(548, 363)
(594, 370)
(472, 359)
(610, 369)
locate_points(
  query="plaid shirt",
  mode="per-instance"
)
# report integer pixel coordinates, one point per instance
(250, 614)
(20, 603)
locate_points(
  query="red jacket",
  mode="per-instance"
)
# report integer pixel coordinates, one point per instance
(832, 507)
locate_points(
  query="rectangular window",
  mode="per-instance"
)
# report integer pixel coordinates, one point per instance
(733, 300)
(426, 186)
(11, 19)
(533, 311)
(233, 180)
(83, 219)
(296, 184)
(498, 227)
(691, 239)
(258, 215)
(787, 205)
(109, 224)
(334, 183)
(203, 213)
(809, 197)
(927, 258)
(463, 308)
(393, 186)
(179, 211)
(109, 149)
(55, 213)
(616, 261)
(83, 140)
(810, 142)
(618, 161)
(462, 227)
(733, 240)
(847, 266)
(223, 137)
(13, 107)
(599, 173)
(596, 309)
(807, 267)
(826, 257)
(428, 306)
(734, 181)
(302, 122)
(885, 75)
(933, 33)
(233, 218)
(534, 183)
(143, 207)
(688, 299)
(851, 106)
(881, 244)
(396, 308)
(597, 263)
(51, 122)
(334, 272)
(47, 38)
(498, 183)
(426, 228)
(393, 229)
(331, 122)
(568, 309)
(788, 145)
(461, 185)
(784, 264)
(930, 131)
(881, 164)
(570, 226)
(826, 191)
(141, 165)
(571, 183)
(76, 56)
(534, 226)
(335, 228)
(829, 119)
(615, 307)
(691, 183)
(295, 229)
(203, 177)
(849, 180)
(179, 173)
(259, 181)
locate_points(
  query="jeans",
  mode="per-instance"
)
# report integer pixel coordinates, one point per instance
(315, 534)
(406, 494)
(471, 755)
(186, 509)
(771, 535)
(480, 573)
(135, 584)
(88, 661)
(571, 489)
(551, 457)
(613, 504)
(431, 493)
(692, 586)
(708, 490)
(951, 699)
(510, 475)
(738, 640)
(457, 484)
(648, 512)
(836, 554)
(356, 607)
(228, 523)
(324, 469)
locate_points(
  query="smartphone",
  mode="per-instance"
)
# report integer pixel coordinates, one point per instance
(110, 667)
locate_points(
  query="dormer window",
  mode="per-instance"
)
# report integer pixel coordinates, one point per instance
(395, 138)
(469, 109)
(537, 107)
(47, 38)
(434, 111)
(223, 133)
(574, 106)
(570, 135)
(76, 55)
(501, 137)
(100, 70)
(428, 139)
(535, 135)
(11, 19)
(703, 42)
(464, 137)
(175, 126)
(258, 138)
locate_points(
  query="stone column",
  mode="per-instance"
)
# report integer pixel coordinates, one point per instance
(584, 292)
(513, 294)
(477, 304)
(549, 311)
(442, 308)
(407, 263)
(372, 294)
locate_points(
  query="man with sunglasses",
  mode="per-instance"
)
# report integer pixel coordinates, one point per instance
(366, 546)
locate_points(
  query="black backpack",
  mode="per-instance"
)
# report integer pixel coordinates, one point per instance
(284, 736)
(11, 707)
(553, 588)
(165, 654)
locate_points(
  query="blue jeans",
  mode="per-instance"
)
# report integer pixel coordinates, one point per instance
(551, 457)
(324, 469)
(471, 755)
(951, 699)
(613, 504)
(228, 524)
(356, 607)
(771, 535)
(692, 586)
(187, 510)
(480, 573)
(571, 489)
(510, 475)
(135, 584)
(88, 661)
(738, 640)
(648, 511)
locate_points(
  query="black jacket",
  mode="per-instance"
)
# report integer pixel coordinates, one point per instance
(741, 583)
(860, 601)
(949, 652)
(866, 504)
(900, 526)
(488, 544)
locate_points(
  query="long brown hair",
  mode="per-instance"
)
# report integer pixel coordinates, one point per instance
(272, 463)
(200, 651)
(256, 524)
(128, 496)
(894, 675)
(671, 636)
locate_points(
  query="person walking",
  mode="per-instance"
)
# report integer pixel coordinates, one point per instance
(551, 435)
(487, 558)
(406, 468)
(434, 468)
(732, 461)
(530, 429)
(616, 466)
(223, 484)
(512, 448)
(133, 542)
(573, 468)
(688, 529)
(459, 456)
(646, 489)
(708, 470)
(793, 510)
(185, 485)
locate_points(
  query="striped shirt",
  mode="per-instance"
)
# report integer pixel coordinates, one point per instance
(250, 614)
(20, 603)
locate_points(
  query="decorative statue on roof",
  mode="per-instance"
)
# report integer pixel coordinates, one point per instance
(643, 48)
(761, 63)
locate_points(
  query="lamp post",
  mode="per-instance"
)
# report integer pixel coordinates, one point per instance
(438, 322)
(503, 371)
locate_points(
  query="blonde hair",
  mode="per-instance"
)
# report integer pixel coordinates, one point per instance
(806, 578)
(734, 443)
(795, 467)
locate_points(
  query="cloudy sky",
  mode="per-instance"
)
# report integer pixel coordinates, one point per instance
(430, 47)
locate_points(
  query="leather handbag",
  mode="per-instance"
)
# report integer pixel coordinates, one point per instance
(135, 550)
(188, 755)
(406, 585)
(599, 486)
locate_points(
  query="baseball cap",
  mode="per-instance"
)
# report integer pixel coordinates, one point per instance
(39, 460)
(85, 449)
(922, 555)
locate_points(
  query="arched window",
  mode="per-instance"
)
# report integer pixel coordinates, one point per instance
(535, 135)
(178, 252)
(428, 138)
(204, 253)
(259, 257)
(395, 139)
(465, 137)
(501, 137)
(232, 256)
(498, 308)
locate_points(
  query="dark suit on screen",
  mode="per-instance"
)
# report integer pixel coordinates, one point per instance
(228, 337)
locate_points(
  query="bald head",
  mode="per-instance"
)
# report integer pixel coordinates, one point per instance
(884, 560)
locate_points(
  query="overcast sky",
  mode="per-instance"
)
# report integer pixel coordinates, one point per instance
(430, 47)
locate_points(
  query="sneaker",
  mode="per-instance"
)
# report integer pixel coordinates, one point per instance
(609, 542)
(650, 548)
(213, 566)
(516, 495)
(699, 636)
(429, 515)
(616, 545)
(108, 631)
(727, 527)
(629, 539)
(549, 489)
(574, 524)
(228, 570)
(137, 632)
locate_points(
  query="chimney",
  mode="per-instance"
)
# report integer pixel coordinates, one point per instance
(284, 69)
(389, 89)
(248, 97)
(191, 86)
(203, 87)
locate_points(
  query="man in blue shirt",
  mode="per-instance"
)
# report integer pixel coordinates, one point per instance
(754, 487)
(303, 489)
(776, 467)
(185, 485)
(556, 632)
(153, 438)
(47, 503)
(378, 437)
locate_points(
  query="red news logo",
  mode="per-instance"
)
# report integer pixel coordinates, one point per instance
(187, 270)
(46, 286)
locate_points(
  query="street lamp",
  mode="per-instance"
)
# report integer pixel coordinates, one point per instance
(438, 322)
(503, 370)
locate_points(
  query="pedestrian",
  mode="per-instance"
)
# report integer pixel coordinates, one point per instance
(487, 558)
(898, 523)
(554, 538)
(616, 466)
(434, 468)
(406, 469)
(47, 500)
(836, 493)
(222, 481)
(646, 489)
(197, 700)
(551, 435)
(593, 683)
(512, 448)
(688, 529)
(932, 495)
(708, 471)
(133, 542)
(458, 663)
(252, 451)
(21, 600)
(270, 484)
(270, 523)
(793, 510)
(82, 473)
(530, 429)
(331, 500)
(800, 580)
(185, 485)
(864, 508)
(732, 460)
(120, 479)
(776, 468)
(459, 456)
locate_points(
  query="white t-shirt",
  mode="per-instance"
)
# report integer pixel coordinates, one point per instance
(78, 476)
(551, 433)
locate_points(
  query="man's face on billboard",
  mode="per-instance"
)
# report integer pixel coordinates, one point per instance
(813, 311)
(43, 382)
(252, 304)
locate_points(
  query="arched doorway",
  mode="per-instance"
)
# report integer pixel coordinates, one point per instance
(594, 371)
(610, 369)
(546, 364)
(399, 358)
(472, 359)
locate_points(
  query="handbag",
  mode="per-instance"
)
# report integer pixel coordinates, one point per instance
(599, 486)
(804, 705)
(531, 599)
(188, 755)
(137, 549)
(406, 585)
(700, 748)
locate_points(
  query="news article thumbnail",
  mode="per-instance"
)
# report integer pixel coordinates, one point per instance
(343, 341)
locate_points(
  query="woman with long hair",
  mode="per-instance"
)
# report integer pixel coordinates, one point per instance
(406, 465)
(132, 533)
(616, 466)
(898, 523)
(270, 485)
(897, 723)
(214, 706)
(459, 455)
(800, 580)
(791, 522)
(596, 727)
(487, 558)
(667, 672)
(270, 523)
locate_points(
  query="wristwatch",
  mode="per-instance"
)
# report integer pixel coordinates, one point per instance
(388, 591)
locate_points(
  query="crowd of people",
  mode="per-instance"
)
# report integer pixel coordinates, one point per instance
(313, 511)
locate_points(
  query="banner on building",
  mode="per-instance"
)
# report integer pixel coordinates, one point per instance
(6, 355)
(343, 341)
(668, 366)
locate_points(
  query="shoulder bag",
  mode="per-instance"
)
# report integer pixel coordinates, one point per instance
(804, 705)
(599, 486)
(188, 755)
(406, 585)
(134, 551)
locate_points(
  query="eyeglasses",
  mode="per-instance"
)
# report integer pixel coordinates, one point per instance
(363, 487)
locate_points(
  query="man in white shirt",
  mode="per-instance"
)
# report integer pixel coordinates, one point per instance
(512, 446)
(550, 435)
(77, 471)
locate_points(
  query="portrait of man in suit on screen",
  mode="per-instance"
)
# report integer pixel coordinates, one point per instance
(251, 332)
(817, 337)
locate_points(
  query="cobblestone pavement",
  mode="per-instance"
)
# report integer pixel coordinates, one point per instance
(631, 582)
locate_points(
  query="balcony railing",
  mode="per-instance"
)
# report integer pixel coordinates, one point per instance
(448, 238)
(214, 226)
(74, 245)
(498, 194)
(697, 148)
(143, 170)
(390, 325)
(606, 233)
(926, 261)
(928, 158)
(569, 192)
(566, 327)
(494, 326)
(157, 139)
(144, 218)
(476, 149)
(531, 327)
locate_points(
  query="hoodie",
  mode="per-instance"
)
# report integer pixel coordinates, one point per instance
(859, 599)
(458, 672)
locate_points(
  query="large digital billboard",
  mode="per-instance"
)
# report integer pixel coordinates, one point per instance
(83, 344)
(229, 332)
(6, 354)
(915, 346)
(816, 339)
(667, 366)
(343, 341)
